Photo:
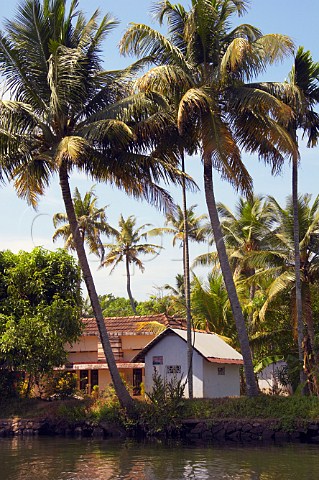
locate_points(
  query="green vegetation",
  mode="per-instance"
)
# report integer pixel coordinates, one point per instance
(153, 418)
(66, 112)
(129, 244)
(40, 307)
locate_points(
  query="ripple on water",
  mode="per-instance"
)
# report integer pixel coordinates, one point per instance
(82, 459)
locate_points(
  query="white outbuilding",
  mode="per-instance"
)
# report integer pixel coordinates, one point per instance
(215, 363)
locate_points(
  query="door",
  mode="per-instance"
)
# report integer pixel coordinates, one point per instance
(137, 380)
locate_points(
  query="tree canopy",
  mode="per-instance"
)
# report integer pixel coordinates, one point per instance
(40, 305)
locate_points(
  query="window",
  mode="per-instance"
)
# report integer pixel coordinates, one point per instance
(221, 370)
(158, 360)
(173, 369)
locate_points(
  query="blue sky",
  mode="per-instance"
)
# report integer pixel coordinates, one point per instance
(23, 228)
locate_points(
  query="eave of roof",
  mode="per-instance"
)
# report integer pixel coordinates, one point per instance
(130, 325)
(99, 366)
(228, 361)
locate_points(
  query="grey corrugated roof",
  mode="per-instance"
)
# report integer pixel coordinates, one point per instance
(209, 345)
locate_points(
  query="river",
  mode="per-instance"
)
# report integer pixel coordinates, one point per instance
(48, 458)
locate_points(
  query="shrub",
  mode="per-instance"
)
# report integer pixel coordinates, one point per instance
(62, 384)
(9, 384)
(164, 413)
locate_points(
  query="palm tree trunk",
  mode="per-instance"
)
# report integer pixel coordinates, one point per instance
(187, 291)
(300, 326)
(251, 384)
(128, 284)
(122, 393)
(312, 355)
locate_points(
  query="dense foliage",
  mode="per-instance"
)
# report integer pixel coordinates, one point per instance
(39, 309)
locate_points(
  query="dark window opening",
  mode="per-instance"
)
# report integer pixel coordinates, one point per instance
(94, 378)
(137, 380)
(84, 376)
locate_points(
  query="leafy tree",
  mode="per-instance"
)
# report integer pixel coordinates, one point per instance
(92, 223)
(111, 306)
(127, 248)
(40, 307)
(203, 68)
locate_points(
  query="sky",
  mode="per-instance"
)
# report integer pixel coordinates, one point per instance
(22, 228)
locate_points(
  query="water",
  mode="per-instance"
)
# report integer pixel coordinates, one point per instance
(82, 459)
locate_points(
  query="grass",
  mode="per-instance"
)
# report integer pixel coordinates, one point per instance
(288, 411)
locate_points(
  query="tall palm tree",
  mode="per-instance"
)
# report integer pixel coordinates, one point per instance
(64, 115)
(301, 92)
(184, 225)
(203, 68)
(127, 248)
(276, 263)
(304, 77)
(92, 222)
(248, 229)
(175, 225)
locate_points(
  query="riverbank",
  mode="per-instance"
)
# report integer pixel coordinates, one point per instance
(264, 418)
(205, 430)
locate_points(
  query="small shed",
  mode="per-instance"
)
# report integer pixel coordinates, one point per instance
(270, 376)
(215, 363)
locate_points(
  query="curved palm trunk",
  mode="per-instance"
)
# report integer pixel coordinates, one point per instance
(251, 384)
(123, 395)
(187, 291)
(128, 284)
(300, 327)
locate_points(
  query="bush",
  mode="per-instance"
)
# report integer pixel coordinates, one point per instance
(9, 384)
(164, 413)
(62, 384)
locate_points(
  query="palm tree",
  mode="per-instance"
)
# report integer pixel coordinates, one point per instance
(301, 92)
(247, 230)
(127, 248)
(308, 222)
(203, 68)
(304, 77)
(211, 306)
(91, 221)
(64, 115)
(175, 225)
(276, 265)
(185, 226)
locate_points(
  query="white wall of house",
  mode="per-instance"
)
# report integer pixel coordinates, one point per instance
(268, 380)
(208, 382)
(221, 380)
(173, 352)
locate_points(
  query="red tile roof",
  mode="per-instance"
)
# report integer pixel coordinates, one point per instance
(131, 325)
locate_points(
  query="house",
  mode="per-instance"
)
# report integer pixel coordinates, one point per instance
(270, 376)
(128, 336)
(215, 363)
